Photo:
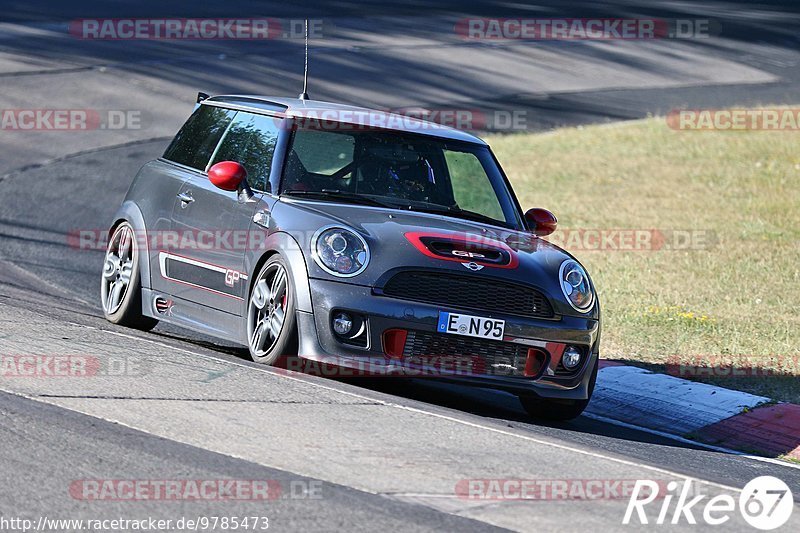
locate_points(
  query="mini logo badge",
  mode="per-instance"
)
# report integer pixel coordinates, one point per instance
(472, 265)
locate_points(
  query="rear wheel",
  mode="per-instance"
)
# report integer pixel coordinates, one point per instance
(558, 410)
(271, 322)
(120, 287)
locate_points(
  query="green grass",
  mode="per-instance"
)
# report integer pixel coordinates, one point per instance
(735, 300)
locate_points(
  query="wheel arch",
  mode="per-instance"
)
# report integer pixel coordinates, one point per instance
(284, 244)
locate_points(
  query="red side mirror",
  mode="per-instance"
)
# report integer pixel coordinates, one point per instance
(541, 221)
(227, 175)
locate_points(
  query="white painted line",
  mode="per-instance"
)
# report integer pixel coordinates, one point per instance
(565, 447)
(662, 402)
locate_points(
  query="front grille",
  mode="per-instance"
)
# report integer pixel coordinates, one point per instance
(465, 355)
(469, 292)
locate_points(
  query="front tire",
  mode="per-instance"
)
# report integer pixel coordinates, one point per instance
(120, 287)
(271, 320)
(558, 410)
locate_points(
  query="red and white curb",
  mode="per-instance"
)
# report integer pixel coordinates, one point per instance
(700, 412)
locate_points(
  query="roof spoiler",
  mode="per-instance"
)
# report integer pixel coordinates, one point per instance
(201, 97)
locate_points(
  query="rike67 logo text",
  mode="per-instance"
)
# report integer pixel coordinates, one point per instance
(765, 503)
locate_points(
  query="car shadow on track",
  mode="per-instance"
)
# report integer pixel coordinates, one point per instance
(505, 407)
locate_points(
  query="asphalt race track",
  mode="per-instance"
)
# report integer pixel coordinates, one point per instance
(354, 455)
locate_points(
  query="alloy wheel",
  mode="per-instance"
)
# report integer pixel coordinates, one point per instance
(118, 268)
(267, 309)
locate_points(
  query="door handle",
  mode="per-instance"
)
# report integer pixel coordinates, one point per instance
(185, 198)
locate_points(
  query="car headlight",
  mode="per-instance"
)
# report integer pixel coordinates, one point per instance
(340, 251)
(575, 286)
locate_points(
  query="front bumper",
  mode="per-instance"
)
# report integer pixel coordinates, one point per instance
(318, 342)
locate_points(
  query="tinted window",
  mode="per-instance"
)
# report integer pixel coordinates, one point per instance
(322, 152)
(251, 141)
(197, 139)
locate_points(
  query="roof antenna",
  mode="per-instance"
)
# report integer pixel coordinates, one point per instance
(304, 95)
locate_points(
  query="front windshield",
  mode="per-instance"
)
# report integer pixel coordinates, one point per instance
(398, 170)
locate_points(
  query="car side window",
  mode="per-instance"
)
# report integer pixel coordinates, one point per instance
(471, 190)
(199, 136)
(251, 141)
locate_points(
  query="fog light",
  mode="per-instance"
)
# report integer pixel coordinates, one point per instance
(571, 358)
(342, 323)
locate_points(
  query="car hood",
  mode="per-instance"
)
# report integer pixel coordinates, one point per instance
(397, 242)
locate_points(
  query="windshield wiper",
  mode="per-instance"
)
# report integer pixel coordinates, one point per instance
(335, 194)
(460, 213)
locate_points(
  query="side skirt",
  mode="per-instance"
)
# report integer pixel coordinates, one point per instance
(193, 316)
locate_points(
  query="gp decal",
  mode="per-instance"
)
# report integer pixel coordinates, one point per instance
(201, 275)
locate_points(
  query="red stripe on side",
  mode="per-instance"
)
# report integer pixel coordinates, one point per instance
(772, 430)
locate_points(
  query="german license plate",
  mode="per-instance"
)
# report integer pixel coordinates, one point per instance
(471, 326)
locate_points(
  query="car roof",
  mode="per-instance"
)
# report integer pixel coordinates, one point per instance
(332, 112)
